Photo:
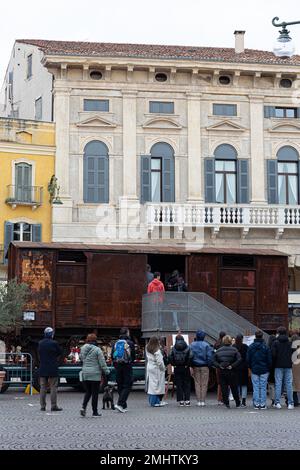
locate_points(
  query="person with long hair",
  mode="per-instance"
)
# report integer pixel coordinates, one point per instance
(155, 372)
(93, 367)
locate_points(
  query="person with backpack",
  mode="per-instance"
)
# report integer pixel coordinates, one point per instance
(227, 359)
(93, 366)
(123, 355)
(259, 359)
(282, 356)
(217, 345)
(180, 357)
(155, 372)
(202, 355)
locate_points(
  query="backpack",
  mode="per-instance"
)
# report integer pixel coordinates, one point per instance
(122, 352)
(180, 357)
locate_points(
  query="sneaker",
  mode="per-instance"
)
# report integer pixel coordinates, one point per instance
(199, 403)
(96, 415)
(120, 409)
(277, 406)
(56, 409)
(43, 408)
(256, 407)
(290, 407)
(220, 403)
(203, 403)
(263, 407)
(181, 403)
(187, 403)
(243, 405)
(83, 412)
(163, 403)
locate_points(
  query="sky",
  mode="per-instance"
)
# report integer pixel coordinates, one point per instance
(178, 22)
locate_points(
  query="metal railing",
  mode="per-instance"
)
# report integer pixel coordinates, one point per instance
(18, 368)
(24, 195)
(169, 312)
(203, 215)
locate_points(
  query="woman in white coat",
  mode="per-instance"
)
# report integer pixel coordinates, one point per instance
(155, 375)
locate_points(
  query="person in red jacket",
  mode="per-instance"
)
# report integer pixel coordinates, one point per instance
(156, 285)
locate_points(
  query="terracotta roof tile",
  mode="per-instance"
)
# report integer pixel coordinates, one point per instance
(101, 49)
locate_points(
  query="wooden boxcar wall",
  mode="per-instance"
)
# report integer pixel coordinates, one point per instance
(258, 293)
(106, 290)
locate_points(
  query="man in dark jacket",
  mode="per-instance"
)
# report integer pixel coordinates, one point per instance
(202, 355)
(49, 353)
(227, 358)
(123, 368)
(282, 356)
(180, 357)
(259, 359)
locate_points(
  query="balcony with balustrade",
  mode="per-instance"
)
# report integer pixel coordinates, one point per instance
(216, 216)
(24, 196)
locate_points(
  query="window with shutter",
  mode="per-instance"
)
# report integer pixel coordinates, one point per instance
(96, 173)
(243, 181)
(272, 181)
(165, 153)
(8, 238)
(209, 172)
(23, 182)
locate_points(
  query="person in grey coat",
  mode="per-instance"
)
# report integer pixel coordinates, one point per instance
(93, 366)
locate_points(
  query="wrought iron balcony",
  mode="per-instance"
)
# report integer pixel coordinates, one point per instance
(24, 196)
(221, 215)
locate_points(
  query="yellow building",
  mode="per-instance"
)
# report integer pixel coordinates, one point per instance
(27, 161)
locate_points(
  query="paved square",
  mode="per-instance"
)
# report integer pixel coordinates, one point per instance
(24, 426)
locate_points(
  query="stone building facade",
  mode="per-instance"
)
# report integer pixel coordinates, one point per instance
(176, 145)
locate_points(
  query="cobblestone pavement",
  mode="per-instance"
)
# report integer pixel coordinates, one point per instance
(24, 426)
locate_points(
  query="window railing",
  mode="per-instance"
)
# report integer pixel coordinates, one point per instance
(24, 195)
(202, 215)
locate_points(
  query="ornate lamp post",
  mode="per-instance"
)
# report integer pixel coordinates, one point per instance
(284, 46)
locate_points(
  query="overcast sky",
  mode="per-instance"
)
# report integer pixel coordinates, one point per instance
(180, 22)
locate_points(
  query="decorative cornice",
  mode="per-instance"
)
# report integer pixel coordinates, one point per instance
(226, 125)
(28, 149)
(96, 121)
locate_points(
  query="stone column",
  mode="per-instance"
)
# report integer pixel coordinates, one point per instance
(62, 213)
(195, 192)
(129, 145)
(257, 167)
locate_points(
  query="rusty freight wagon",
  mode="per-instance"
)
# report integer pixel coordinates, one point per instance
(77, 288)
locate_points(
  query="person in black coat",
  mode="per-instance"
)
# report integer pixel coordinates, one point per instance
(242, 369)
(282, 356)
(180, 357)
(49, 354)
(271, 379)
(227, 359)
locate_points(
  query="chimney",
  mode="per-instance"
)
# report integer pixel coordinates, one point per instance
(239, 42)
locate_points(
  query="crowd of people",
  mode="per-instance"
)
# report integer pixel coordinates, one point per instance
(273, 367)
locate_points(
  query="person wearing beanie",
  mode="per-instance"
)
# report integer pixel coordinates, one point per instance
(49, 354)
(202, 356)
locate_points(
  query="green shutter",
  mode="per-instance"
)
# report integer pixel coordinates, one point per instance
(272, 181)
(243, 181)
(168, 179)
(36, 233)
(8, 238)
(209, 175)
(145, 178)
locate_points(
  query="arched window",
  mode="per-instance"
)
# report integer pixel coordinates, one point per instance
(23, 182)
(226, 174)
(96, 173)
(158, 174)
(288, 175)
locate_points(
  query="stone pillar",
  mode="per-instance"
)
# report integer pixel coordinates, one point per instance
(129, 145)
(195, 191)
(62, 213)
(257, 169)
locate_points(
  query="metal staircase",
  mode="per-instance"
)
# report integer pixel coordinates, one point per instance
(166, 313)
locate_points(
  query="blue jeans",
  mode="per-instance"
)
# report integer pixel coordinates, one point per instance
(153, 400)
(259, 383)
(284, 377)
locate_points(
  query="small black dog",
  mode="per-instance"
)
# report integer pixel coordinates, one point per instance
(108, 397)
